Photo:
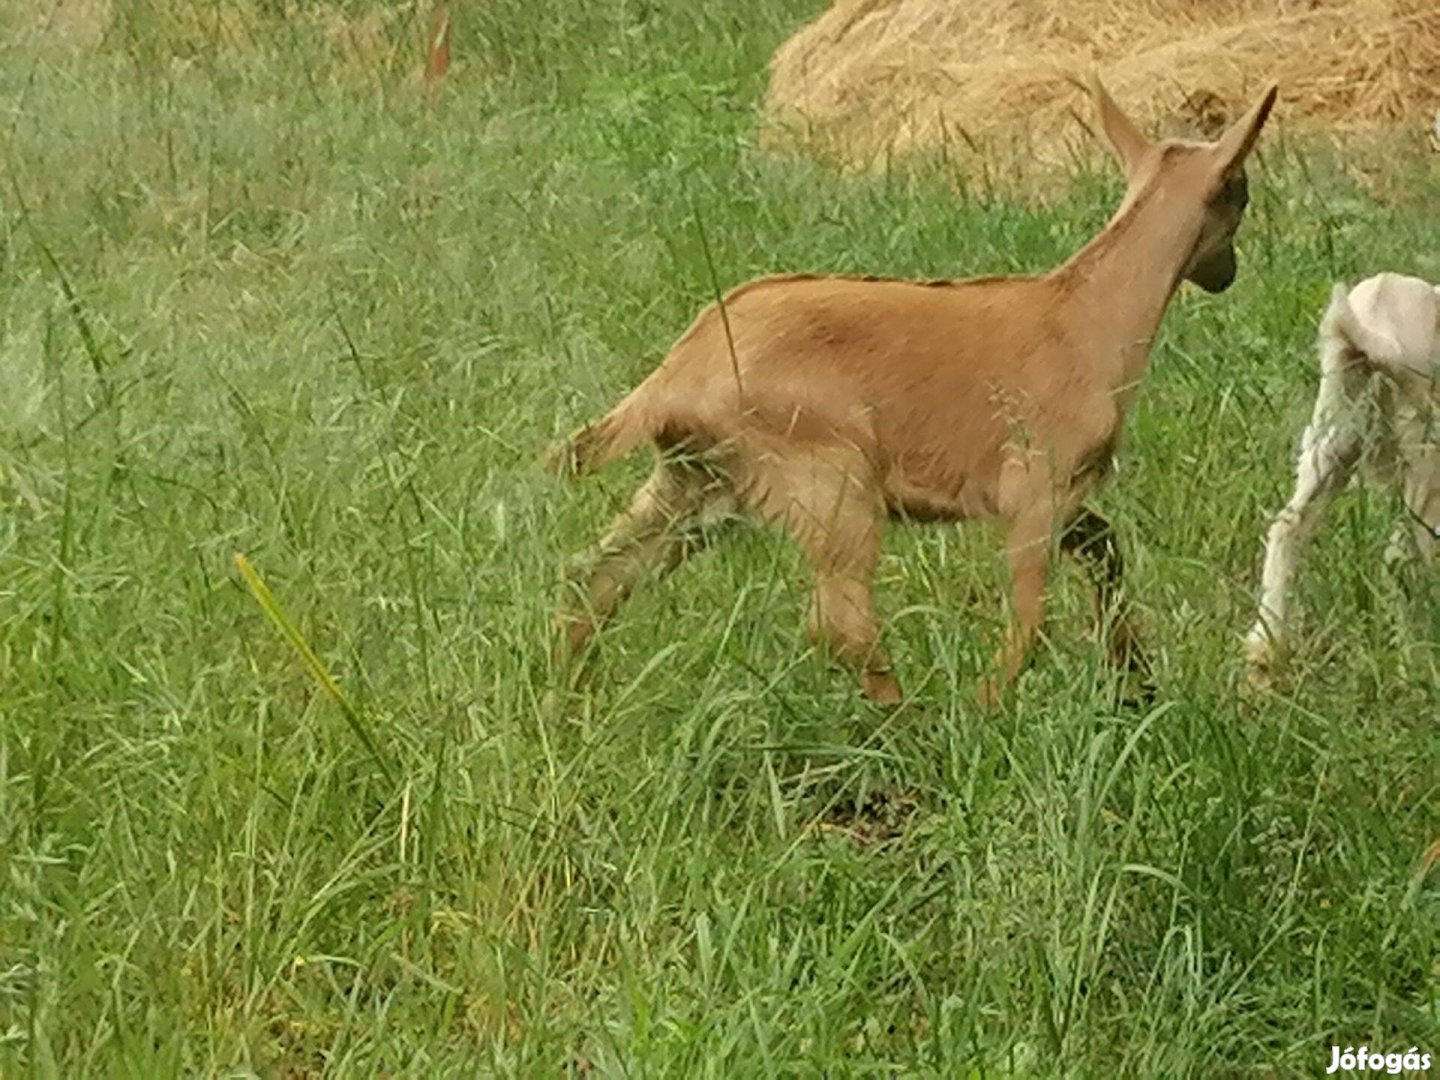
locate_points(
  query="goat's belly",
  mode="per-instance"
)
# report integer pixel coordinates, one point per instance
(904, 498)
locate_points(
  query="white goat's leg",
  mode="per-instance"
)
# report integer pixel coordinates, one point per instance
(1419, 533)
(1416, 537)
(1329, 452)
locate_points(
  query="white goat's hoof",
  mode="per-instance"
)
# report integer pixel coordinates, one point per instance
(1261, 654)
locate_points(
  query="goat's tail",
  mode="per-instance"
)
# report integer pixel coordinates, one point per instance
(1342, 334)
(600, 442)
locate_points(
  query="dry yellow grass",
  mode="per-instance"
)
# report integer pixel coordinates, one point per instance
(352, 42)
(73, 24)
(873, 78)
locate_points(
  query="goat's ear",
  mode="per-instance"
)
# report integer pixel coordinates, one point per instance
(1232, 148)
(1125, 138)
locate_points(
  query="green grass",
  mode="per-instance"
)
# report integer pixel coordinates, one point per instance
(246, 306)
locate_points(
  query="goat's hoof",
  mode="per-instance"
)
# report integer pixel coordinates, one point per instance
(576, 632)
(1259, 677)
(1261, 655)
(882, 688)
(1261, 646)
(1259, 674)
(991, 693)
(1139, 693)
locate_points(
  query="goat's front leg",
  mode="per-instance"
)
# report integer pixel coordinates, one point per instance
(1327, 459)
(1028, 546)
(1091, 539)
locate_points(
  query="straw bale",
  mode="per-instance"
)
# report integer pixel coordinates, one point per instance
(871, 79)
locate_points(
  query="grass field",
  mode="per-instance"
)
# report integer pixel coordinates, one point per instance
(253, 302)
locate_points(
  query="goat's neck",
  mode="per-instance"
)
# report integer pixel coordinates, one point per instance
(1122, 281)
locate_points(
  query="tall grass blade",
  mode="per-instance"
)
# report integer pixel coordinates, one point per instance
(277, 615)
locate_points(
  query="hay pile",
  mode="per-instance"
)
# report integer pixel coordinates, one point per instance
(872, 78)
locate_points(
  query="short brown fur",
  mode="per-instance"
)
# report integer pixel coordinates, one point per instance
(827, 403)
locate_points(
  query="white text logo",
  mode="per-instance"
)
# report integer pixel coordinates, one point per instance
(1363, 1060)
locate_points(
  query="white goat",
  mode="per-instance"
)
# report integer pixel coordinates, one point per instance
(1377, 407)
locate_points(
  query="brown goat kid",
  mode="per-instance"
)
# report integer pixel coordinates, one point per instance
(824, 404)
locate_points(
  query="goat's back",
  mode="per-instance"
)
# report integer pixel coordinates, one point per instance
(1400, 320)
(912, 357)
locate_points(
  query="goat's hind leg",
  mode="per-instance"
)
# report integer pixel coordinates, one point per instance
(664, 523)
(842, 617)
(1415, 540)
(833, 509)
(1417, 537)
(1091, 539)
